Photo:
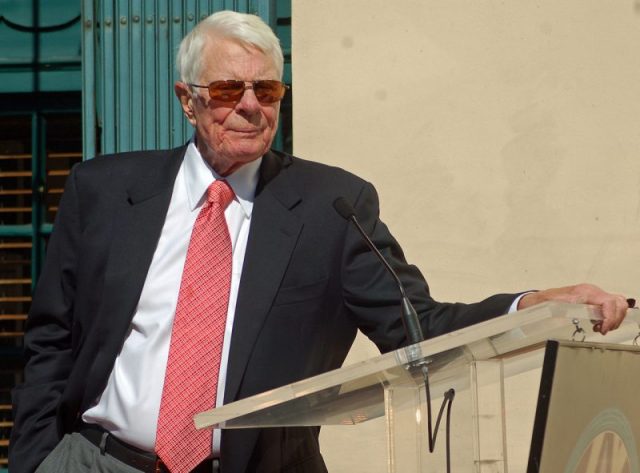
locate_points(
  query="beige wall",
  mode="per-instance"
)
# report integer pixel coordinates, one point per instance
(503, 137)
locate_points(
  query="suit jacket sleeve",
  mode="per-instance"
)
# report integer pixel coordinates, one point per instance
(48, 343)
(373, 298)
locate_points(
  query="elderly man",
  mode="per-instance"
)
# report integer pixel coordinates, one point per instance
(179, 280)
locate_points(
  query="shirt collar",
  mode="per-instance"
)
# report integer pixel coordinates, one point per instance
(199, 175)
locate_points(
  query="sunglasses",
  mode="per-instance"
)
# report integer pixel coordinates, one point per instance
(266, 91)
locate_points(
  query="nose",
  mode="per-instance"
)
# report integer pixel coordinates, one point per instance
(249, 102)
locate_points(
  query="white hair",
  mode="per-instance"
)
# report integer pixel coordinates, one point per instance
(242, 27)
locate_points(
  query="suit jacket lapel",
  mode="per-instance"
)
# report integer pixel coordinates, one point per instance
(272, 238)
(137, 225)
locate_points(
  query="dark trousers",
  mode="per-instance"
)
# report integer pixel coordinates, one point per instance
(76, 454)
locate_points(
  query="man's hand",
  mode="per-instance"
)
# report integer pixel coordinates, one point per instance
(614, 306)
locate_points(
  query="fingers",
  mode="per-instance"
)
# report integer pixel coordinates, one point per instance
(614, 309)
(613, 306)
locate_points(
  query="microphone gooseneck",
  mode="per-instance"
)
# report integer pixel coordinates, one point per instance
(413, 332)
(409, 316)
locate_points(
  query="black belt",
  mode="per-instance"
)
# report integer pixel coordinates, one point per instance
(135, 457)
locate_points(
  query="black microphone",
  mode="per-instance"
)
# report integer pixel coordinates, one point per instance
(413, 331)
(409, 316)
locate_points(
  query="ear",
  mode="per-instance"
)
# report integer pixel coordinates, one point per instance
(183, 92)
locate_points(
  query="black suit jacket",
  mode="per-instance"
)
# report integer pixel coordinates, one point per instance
(308, 284)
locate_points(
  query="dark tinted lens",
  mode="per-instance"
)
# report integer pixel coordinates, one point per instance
(226, 90)
(268, 91)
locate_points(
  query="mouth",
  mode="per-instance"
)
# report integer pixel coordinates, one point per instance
(247, 133)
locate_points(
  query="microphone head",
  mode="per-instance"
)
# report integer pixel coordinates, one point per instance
(344, 208)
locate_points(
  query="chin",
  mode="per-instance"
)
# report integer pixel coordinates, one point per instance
(248, 153)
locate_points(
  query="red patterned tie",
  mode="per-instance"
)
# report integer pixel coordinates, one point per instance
(190, 384)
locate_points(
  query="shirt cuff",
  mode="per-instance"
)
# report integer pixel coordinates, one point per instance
(514, 304)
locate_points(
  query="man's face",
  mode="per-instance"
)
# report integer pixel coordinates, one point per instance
(231, 134)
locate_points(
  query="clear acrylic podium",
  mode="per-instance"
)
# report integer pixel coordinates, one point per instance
(474, 361)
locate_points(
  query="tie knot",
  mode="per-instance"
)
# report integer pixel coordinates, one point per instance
(220, 192)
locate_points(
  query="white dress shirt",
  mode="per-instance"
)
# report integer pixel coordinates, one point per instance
(130, 404)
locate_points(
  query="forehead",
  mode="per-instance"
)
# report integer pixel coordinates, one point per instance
(228, 59)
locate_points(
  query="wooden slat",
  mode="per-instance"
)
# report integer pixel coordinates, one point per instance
(14, 156)
(15, 191)
(7, 210)
(5, 423)
(13, 317)
(11, 334)
(15, 174)
(58, 172)
(16, 299)
(5, 407)
(6, 282)
(14, 246)
(64, 155)
(55, 190)
(70, 155)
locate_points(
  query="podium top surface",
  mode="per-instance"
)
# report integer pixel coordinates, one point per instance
(355, 393)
